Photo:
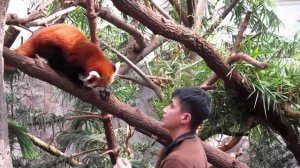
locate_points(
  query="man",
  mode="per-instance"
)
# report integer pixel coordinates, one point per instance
(188, 108)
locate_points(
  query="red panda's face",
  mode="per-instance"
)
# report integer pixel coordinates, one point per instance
(102, 78)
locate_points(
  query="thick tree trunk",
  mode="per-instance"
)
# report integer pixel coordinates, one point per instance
(133, 116)
(5, 157)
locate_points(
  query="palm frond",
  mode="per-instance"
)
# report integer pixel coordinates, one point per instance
(27, 147)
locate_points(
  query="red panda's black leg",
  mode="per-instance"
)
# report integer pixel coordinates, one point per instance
(105, 94)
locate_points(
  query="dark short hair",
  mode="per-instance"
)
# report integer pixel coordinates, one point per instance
(194, 101)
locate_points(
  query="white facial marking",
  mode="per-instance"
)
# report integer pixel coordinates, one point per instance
(117, 65)
(91, 75)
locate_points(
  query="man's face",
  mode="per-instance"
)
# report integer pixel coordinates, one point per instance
(172, 115)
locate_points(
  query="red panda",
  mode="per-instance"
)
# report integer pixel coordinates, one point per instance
(68, 51)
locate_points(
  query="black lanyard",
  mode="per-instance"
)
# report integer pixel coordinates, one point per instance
(178, 140)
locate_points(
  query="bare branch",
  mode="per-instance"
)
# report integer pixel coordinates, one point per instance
(180, 12)
(107, 15)
(160, 10)
(133, 80)
(52, 149)
(209, 83)
(13, 19)
(234, 141)
(241, 32)
(92, 16)
(154, 44)
(51, 18)
(40, 6)
(110, 138)
(222, 17)
(191, 6)
(10, 36)
(199, 13)
(138, 71)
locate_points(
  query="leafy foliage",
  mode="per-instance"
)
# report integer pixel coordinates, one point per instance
(21, 133)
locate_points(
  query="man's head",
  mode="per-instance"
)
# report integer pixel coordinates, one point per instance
(188, 108)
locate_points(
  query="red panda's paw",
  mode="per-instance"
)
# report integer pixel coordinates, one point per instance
(105, 94)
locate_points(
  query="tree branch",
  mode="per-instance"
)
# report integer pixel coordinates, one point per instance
(191, 6)
(53, 17)
(222, 17)
(92, 16)
(106, 14)
(52, 149)
(199, 13)
(180, 12)
(137, 58)
(10, 36)
(160, 10)
(152, 85)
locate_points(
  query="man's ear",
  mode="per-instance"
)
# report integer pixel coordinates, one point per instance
(186, 118)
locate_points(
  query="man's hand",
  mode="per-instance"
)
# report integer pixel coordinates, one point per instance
(122, 163)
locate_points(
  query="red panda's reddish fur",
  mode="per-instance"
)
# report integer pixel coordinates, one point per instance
(67, 50)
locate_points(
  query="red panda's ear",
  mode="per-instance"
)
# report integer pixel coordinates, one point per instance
(117, 66)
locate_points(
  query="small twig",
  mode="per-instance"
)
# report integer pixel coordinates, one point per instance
(129, 135)
(46, 21)
(160, 10)
(222, 17)
(40, 6)
(85, 117)
(133, 80)
(148, 68)
(52, 149)
(93, 150)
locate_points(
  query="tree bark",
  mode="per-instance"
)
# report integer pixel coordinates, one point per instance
(5, 154)
(133, 116)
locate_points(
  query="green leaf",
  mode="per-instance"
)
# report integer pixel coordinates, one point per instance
(27, 147)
